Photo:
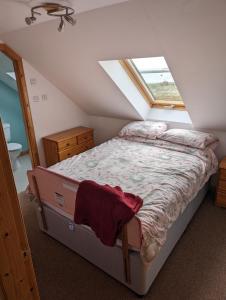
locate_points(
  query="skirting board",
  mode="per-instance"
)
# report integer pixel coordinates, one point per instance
(109, 259)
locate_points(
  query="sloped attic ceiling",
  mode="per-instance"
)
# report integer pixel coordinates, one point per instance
(189, 34)
(17, 10)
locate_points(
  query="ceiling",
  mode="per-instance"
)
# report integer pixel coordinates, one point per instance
(6, 65)
(189, 34)
(13, 12)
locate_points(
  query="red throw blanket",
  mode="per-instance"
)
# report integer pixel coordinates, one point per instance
(105, 209)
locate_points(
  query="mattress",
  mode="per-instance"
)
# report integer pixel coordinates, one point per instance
(166, 178)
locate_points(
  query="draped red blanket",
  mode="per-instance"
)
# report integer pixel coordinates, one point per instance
(105, 209)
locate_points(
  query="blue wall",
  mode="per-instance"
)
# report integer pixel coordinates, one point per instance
(10, 112)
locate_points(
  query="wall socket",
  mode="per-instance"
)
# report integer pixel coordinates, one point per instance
(35, 98)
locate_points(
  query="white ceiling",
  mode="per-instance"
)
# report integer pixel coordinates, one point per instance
(189, 34)
(13, 12)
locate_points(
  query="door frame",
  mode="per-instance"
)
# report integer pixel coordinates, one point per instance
(17, 276)
(24, 101)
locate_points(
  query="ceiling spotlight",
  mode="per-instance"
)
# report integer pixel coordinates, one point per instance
(70, 20)
(54, 10)
(61, 26)
(33, 19)
(28, 20)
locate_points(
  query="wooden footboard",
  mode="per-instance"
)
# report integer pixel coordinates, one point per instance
(59, 192)
(54, 189)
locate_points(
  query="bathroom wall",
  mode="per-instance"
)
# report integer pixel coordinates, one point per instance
(10, 112)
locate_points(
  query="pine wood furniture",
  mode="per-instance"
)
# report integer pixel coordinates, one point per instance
(221, 187)
(68, 143)
(17, 277)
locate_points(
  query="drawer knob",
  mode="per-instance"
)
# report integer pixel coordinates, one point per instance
(67, 144)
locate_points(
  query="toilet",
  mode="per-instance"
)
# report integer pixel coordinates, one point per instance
(14, 149)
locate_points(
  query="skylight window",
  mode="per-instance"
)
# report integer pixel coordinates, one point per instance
(153, 78)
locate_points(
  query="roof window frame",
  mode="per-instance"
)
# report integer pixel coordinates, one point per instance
(138, 81)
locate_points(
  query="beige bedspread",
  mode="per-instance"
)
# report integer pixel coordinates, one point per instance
(166, 176)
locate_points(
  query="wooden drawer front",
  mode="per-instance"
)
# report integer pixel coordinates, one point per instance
(86, 146)
(68, 153)
(222, 186)
(82, 138)
(223, 175)
(67, 143)
(75, 150)
(221, 199)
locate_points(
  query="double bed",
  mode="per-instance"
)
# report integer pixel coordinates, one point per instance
(172, 179)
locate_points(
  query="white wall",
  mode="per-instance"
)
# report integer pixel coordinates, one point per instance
(59, 113)
(169, 115)
(106, 128)
(119, 76)
(51, 110)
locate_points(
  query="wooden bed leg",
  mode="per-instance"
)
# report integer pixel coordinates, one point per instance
(40, 203)
(125, 253)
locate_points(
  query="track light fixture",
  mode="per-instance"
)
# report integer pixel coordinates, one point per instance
(54, 10)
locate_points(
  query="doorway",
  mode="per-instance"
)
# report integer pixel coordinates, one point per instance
(16, 117)
(13, 123)
(17, 277)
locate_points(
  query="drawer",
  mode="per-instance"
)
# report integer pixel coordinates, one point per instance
(223, 174)
(75, 150)
(82, 138)
(68, 153)
(222, 185)
(221, 199)
(86, 146)
(67, 143)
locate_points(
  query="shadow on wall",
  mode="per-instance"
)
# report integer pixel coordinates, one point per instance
(10, 112)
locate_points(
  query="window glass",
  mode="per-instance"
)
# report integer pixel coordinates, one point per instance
(155, 73)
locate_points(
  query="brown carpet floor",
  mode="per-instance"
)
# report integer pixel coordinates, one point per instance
(195, 270)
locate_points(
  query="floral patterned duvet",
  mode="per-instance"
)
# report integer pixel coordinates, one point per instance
(165, 176)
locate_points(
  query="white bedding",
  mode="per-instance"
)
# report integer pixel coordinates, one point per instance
(166, 176)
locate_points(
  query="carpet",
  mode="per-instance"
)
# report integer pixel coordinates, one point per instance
(195, 270)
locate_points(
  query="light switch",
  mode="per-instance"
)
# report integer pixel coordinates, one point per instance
(33, 81)
(44, 97)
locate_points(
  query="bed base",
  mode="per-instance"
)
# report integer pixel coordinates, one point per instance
(123, 236)
(140, 276)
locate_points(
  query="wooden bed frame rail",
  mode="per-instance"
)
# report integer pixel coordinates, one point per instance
(125, 253)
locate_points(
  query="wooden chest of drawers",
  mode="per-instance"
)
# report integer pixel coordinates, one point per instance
(221, 188)
(68, 143)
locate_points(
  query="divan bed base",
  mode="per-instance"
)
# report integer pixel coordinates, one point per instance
(109, 259)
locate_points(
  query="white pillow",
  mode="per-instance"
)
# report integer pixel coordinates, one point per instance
(146, 129)
(191, 138)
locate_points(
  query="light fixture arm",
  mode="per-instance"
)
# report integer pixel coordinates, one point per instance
(54, 10)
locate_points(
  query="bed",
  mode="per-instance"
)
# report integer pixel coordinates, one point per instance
(172, 179)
